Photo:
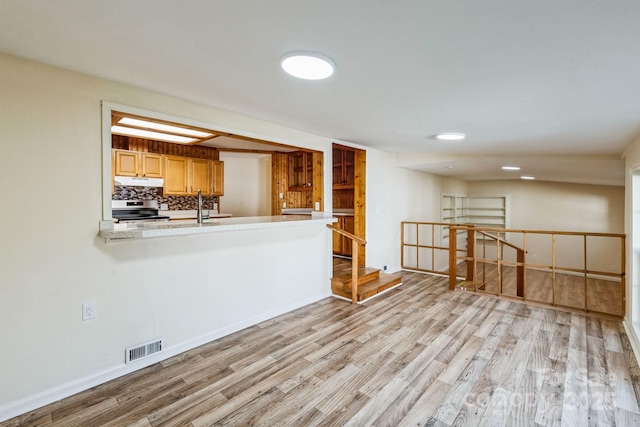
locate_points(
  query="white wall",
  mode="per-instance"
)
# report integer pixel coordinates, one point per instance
(186, 289)
(553, 206)
(395, 195)
(543, 205)
(632, 223)
(247, 184)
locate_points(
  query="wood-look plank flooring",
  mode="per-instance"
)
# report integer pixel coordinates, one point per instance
(604, 296)
(418, 355)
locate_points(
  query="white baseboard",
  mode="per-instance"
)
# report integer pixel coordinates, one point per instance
(633, 337)
(19, 407)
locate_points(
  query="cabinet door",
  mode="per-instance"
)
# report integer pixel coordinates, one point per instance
(199, 176)
(300, 171)
(127, 163)
(151, 165)
(348, 225)
(348, 167)
(217, 178)
(175, 180)
(337, 238)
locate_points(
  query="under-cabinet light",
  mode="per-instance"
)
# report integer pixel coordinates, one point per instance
(528, 177)
(511, 168)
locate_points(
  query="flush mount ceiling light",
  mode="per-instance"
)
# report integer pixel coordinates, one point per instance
(158, 136)
(450, 136)
(308, 65)
(128, 121)
(511, 168)
(528, 177)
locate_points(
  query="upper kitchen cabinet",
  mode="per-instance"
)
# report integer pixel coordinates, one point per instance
(343, 168)
(175, 175)
(198, 176)
(300, 171)
(185, 175)
(137, 164)
(217, 177)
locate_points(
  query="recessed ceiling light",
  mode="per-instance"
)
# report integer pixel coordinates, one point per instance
(527, 177)
(451, 167)
(450, 136)
(511, 168)
(308, 65)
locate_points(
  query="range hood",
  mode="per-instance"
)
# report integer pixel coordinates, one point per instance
(134, 181)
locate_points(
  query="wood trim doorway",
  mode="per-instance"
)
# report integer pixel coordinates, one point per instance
(350, 192)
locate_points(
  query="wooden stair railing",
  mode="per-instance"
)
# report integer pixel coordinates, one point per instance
(471, 253)
(355, 244)
(520, 259)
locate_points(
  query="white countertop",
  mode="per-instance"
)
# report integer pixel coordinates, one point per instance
(146, 230)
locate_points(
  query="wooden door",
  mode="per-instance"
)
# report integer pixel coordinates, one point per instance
(127, 163)
(199, 176)
(151, 165)
(175, 180)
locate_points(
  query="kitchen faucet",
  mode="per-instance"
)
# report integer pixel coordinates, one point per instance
(199, 206)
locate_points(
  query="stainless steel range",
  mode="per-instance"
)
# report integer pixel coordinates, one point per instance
(128, 211)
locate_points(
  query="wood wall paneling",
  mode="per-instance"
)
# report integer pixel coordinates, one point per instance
(359, 206)
(160, 147)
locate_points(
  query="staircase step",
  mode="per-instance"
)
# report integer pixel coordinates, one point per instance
(370, 288)
(365, 274)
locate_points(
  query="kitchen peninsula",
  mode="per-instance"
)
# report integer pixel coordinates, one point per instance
(146, 230)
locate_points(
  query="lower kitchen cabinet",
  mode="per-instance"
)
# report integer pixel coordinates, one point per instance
(342, 245)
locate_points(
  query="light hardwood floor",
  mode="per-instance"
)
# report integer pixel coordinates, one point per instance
(417, 355)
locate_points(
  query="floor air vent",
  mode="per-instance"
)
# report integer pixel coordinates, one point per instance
(143, 350)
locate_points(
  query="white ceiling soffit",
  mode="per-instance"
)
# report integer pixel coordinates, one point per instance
(520, 79)
(222, 142)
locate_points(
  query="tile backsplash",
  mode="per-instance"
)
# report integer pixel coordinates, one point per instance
(152, 193)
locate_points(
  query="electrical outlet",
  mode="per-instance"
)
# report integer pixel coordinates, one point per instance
(317, 206)
(384, 268)
(284, 204)
(89, 311)
(613, 267)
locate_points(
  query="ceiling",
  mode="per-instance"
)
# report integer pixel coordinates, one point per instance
(551, 86)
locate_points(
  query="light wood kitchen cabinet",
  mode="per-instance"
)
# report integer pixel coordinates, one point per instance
(175, 175)
(342, 245)
(151, 165)
(134, 163)
(217, 177)
(199, 176)
(343, 168)
(185, 176)
(300, 171)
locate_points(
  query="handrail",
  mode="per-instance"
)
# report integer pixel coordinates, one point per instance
(355, 242)
(498, 239)
(347, 234)
(427, 246)
(556, 232)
